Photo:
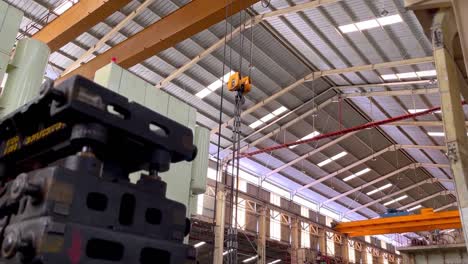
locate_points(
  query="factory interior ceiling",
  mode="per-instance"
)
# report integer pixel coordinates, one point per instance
(279, 51)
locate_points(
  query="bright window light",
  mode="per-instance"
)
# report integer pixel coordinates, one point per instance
(357, 174)
(214, 86)
(256, 124)
(249, 259)
(203, 93)
(396, 200)
(275, 261)
(199, 244)
(386, 186)
(407, 75)
(309, 136)
(389, 77)
(368, 24)
(436, 134)
(388, 20)
(414, 208)
(280, 110)
(348, 28)
(430, 73)
(200, 199)
(267, 117)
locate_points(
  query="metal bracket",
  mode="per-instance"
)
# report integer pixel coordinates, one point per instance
(437, 37)
(452, 151)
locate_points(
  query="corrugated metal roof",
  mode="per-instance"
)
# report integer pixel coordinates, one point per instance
(285, 49)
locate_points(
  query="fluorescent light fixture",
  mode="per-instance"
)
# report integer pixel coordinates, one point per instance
(267, 117)
(256, 124)
(389, 77)
(414, 208)
(203, 93)
(309, 136)
(348, 28)
(279, 111)
(436, 134)
(249, 259)
(396, 200)
(430, 73)
(357, 174)
(407, 75)
(337, 156)
(199, 244)
(388, 20)
(275, 261)
(386, 186)
(368, 24)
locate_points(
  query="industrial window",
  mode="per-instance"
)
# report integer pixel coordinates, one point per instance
(200, 199)
(330, 235)
(275, 218)
(305, 235)
(351, 253)
(306, 203)
(305, 211)
(369, 258)
(241, 207)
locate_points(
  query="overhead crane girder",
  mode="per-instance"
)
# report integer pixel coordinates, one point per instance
(427, 220)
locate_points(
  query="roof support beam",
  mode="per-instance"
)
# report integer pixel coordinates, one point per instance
(108, 36)
(256, 20)
(446, 206)
(77, 20)
(426, 4)
(433, 180)
(425, 199)
(371, 85)
(361, 161)
(389, 175)
(164, 33)
(318, 74)
(313, 152)
(390, 93)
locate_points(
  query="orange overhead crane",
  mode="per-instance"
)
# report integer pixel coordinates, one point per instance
(427, 220)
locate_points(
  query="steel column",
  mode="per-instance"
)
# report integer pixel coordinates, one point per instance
(219, 227)
(261, 240)
(452, 111)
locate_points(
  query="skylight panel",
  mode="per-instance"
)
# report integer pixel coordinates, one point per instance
(414, 208)
(407, 75)
(389, 20)
(279, 111)
(436, 134)
(348, 28)
(337, 156)
(325, 162)
(368, 24)
(256, 124)
(357, 174)
(267, 117)
(63, 7)
(389, 77)
(386, 186)
(309, 136)
(203, 93)
(431, 73)
(396, 200)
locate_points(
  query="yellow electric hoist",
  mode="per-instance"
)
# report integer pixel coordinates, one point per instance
(237, 83)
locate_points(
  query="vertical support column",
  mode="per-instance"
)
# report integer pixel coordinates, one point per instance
(219, 228)
(450, 86)
(322, 242)
(25, 75)
(344, 249)
(294, 240)
(261, 240)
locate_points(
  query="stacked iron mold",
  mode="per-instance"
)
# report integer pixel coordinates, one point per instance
(77, 210)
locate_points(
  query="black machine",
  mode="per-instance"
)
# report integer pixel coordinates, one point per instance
(65, 197)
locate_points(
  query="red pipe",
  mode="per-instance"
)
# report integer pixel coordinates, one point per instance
(342, 132)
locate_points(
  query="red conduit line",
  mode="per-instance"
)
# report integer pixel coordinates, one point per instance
(342, 132)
